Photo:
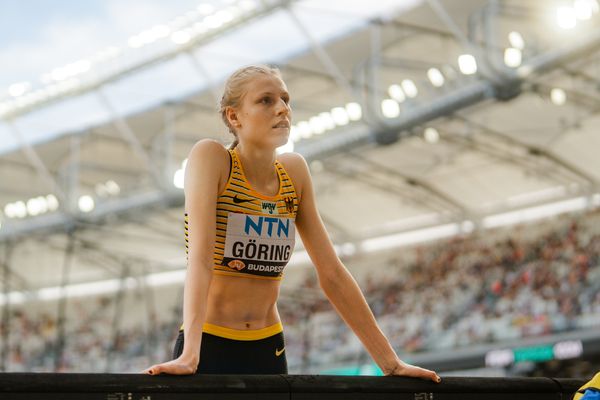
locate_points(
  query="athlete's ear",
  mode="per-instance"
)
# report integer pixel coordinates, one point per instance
(232, 117)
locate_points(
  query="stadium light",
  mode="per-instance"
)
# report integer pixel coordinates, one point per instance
(247, 5)
(181, 37)
(409, 88)
(304, 129)
(294, 133)
(354, 111)
(18, 89)
(390, 108)
(340, 116)
(179, 178)
(558, 96)
(408, 238)
(566, 17)
(52, 202)
(435, 77)
(467, 64)
(327, 119)
(516, 40)
(512, 57)
(534, 213)
(584, 9)
(396, 93)
(205, 9)
(86, 203)
(431, 135)
(316, 125)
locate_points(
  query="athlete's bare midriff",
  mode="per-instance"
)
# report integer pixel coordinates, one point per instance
(242, 303)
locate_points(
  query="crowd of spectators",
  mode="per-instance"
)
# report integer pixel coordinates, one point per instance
(489, 286)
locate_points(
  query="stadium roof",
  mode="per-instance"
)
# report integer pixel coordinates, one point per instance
(515, 139)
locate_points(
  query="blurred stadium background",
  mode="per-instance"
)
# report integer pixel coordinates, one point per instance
(453, 144)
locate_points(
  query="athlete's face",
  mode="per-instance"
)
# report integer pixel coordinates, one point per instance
(264, 117)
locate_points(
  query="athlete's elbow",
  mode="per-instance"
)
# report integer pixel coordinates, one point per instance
(329, 276)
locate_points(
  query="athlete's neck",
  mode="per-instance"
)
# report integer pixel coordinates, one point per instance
(258, 164)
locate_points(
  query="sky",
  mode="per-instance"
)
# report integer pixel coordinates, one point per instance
(38, 36)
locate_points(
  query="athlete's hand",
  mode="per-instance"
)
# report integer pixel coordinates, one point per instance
(179, 366)
(404, 369)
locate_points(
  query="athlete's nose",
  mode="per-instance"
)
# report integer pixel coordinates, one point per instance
(283, 108)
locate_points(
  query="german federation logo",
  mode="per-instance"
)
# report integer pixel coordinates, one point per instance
(289, 204)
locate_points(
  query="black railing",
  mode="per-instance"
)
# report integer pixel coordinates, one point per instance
(38, 386)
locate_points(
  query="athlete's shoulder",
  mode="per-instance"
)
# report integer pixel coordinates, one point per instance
(207, 156)
(293, 162)
(208, 148)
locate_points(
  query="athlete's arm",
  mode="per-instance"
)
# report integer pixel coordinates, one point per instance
(202, 175)
(338, 285)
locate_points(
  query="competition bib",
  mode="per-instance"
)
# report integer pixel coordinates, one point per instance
(258, 244)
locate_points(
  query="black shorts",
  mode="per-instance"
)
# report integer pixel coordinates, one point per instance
(220, 355)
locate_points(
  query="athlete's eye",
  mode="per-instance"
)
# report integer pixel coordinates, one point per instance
(265, 100)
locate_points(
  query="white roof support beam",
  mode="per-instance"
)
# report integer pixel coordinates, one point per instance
(127, 133)
(322, 55)
(37, 163)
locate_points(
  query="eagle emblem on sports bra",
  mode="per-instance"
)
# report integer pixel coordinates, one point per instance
(289, 204)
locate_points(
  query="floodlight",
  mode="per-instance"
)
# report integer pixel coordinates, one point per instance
(18, 89)
(9, 211)
(431, 135)
(224, 16)
(467, 64)
(390, 108)
(247, 5)
(340, 116)
(205, 9)
(34, 207)
(135, 42)
(180, 37)
(59, 74)
(354, 111)
(584, 9)
(304, 129)
(179, 178)
(294, 133)
(435, 77)
(112, 187)
(212, 21)
(558, 96)
(316, 125)
(328, 122)
(161, 31)
(566, 18)
(52, 202)
(86, 203)
(409, 87)
(516, 40)
(512, 57)
(396, 93)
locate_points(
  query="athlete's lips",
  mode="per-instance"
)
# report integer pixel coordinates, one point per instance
(282, 124)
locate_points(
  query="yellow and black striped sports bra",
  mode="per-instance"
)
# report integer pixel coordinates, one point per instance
(255, 234)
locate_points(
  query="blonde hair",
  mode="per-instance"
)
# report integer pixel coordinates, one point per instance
(234, 91)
